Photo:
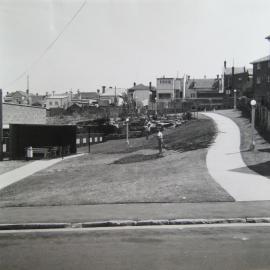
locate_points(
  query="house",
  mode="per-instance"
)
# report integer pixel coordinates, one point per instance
(169, 89)
(261, 79)
(61, 101)
(203, 88)
(85, 98)
(18, 97)
(111, 96)
(237, 78)
(38, 100)
(141, 93)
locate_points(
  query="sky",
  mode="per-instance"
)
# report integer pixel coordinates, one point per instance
(118, 42)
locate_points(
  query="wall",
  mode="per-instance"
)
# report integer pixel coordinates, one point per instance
(23, 114)
(261, 88)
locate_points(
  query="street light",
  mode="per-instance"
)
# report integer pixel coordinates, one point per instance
(234, 99)
(253, 107)
(127, 120)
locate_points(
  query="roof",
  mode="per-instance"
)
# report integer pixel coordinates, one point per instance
(237, 70)
(141, 86)
(37, 98)
(113, 91)
(203, 84)
(20, 92)
(86, 95)
(263, 59)
(56, 97)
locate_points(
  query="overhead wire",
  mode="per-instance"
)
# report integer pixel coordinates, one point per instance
(37, 60)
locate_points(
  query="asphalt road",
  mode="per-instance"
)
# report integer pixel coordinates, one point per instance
(161, 248)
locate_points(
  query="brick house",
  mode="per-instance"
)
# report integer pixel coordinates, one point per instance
(261, 79)
(204, 88)
(239, 78)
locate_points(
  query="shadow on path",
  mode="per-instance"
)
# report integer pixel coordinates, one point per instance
(260, 168)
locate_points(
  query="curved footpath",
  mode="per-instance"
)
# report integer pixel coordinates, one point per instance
(224, 161)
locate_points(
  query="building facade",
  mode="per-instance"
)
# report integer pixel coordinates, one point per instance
(261, 79)
(169, 89)
(237, 78)
(141, 93)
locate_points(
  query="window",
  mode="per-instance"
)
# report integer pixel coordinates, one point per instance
(258, 80)
(50, 103)
(259, 66)
(56, 103)
(165, 81)
(268, 64)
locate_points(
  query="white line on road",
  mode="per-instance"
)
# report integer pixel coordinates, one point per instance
(154, 227)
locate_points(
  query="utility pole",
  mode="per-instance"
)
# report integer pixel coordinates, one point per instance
(28, 82)
(1, 126)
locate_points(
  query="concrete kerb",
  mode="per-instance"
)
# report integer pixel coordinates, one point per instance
(119, 223)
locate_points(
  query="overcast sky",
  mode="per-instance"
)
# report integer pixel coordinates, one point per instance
(118, 42)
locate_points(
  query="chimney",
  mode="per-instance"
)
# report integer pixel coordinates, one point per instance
(134, 84)
(244, 69)
(217, 76)
(225, 64)
(150, 85)
(27, 91)
(103, 89)
(188, 77)
(98, 91)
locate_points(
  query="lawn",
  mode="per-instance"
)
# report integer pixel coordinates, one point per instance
(115, 173)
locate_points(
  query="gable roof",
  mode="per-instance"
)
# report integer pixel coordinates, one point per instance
(263, 59)
(141, 86)
(237, 70)
(205, 84)
(22, 93)
(87, 95)
(112, 92)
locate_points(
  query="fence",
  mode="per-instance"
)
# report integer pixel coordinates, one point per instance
(262, 116)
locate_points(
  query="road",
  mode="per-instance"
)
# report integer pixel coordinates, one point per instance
(180, 247)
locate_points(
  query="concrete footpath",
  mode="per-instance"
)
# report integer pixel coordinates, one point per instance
(225, 164)
(134, 212)
(20, 173)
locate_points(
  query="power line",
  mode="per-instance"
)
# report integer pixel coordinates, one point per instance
(36, 61)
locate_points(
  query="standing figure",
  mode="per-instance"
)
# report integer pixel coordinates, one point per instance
(148, 130)
(160, 141)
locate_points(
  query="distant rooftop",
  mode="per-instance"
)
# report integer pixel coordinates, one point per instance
(141, 87)
(263, 59)
(237, 70)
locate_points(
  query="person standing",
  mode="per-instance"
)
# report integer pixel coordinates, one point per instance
(160, 141)
(148, 130)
